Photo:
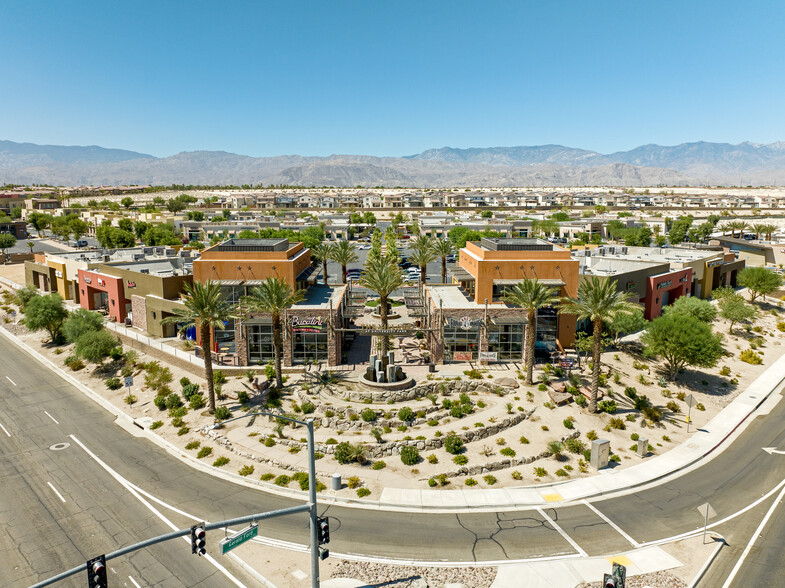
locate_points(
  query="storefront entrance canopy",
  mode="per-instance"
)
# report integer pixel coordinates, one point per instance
(513, 282)
(509, 320)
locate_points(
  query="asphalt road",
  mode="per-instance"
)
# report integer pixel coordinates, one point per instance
(100, 515)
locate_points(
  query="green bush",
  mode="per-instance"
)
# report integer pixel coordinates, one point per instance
(308, 407)
(581, 401)
(460, 460)
(242, 397)
(219, 378)
(591, 435)
(266, 477)
(748, 356)
(268, 442)
(189, 390)
(196, 401)
(562, 474)
(363, 492)
(114, 383)
(453, 444)
(353, 482)
(410, 455)
(652, 413)
(673, 407)
(433, 459)
(508, 452)
(607, 406)
(641, 402)
(516, 475)
(540, 472)
(630, 392)
(473, 374)
(183, 431)
(184, 381)
(489, 479)
(173, 401)
(192, 444)
(204, 452)
(635, 436)
(432, 482)
(617, 423)
(221, 461)
(524, 441)
(368, 415)
(246, 470)
(222, 413)
(160, 402)
(282, 480)
(568, 424)
(331, 441)
(470, 482)
(542, 387)
(574, 445)
(406, 414)
(157, 425)
(379, 465)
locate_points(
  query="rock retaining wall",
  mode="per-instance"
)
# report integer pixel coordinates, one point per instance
(421, 390)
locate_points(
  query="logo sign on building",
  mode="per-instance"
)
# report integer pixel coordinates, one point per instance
(630, 285)
(715, 263)
(87, 280)
(664, 284)
(58, 274)
(465, 322)
(130, 284)
(489, 356)
(462, 356)
(311, 324)
(101, 282)
(683, 279)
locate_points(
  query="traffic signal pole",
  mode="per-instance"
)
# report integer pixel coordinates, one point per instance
(312, 506)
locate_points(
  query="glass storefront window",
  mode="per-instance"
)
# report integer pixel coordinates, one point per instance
(506, 341)
(309, 348)
(457, 340)
(547, 331)
(224, 338)
(260, 344)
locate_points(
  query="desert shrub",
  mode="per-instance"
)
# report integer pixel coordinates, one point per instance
(173, 401)
(700, 406)
(410, 455)
(269, 442)
(192, 444)
(568, 424)
(581, 401)
(489, 479)
(221, 461)
(308, 407)
(607, 406)
(379, 465)
(368, 415)
(266, 476)
(242, 397)
(157, 425)
(74, 363)
(673, 407)
(432, 482)
(204, 452)
(516, 475)
(591, 435)
(114, 383)
(222, 413)
(363, 492)
(282, 480)
(246, 470)
(750, 356)
(353, 482)
(555, 448)
(508, 452)
(219, 378)
(156, 375)
(189, 390)
(617, 423)
(184, 381)
(470, 482)
(630, 392)
(574, 445)
(725, 371)
(641, 402)
(183, 431)
(433, 459)
(652, 413)
(331, 441)
(542, 387)
(460, 460)
(473, 374)
(540, 472)
(406, 414)
(453, 444)
(561, 473)
(524, 441)
(196, 401)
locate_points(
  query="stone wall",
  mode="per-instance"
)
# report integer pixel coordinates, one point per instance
(139, 311)
(421, 390)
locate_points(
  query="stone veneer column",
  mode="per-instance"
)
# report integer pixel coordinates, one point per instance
(241, 342)
(286, 334)
(139, 310)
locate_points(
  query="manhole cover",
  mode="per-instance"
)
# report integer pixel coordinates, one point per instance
(59, 446)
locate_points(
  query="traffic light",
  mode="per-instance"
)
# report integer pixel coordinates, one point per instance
(96, 572)
(198, 539)
(323, 530)
(609, 581)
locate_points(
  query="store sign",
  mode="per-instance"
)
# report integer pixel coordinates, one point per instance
(101, 282)
(465, 322)
(567, 362)
(87, 280)
(58, 274)
(311, 324)
(716, 263)
(630, 285)
(130, 284)
(462, 356)
(683, 279)
(489, 356)
(664, 284)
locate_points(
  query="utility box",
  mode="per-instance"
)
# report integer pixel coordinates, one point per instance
(643, 447)
(600, 453)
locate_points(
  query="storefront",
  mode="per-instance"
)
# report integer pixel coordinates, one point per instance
(309, 337)
(506, 338)
(462, 338)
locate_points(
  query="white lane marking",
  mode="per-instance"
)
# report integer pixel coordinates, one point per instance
(51, 417)
(5, 430)
(128, 486)
(60, 496)
(754, 538)
(10, 380)
(612, 524)
(561, 532)
(135, 583)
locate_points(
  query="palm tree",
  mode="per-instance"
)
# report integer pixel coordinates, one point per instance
(442, 248)
(423, 254)
(343, 252)
(531, 295)
(30, 244)
(737, 226)
(769, 230)
(205, 308)
(598, 301)
(383, 276)
(272, 297)
(759, 229)
(322, 252)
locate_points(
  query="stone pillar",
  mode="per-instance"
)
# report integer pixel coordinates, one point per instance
(288, 342)
(241, 342)
(643, 447)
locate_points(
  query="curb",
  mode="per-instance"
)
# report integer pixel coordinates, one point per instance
(129, 424)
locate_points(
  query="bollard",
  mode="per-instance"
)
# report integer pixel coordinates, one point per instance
(336, 482)
(643, 447)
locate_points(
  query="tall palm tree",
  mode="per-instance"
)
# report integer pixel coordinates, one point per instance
(769, 230)
(205, 308)
(598, 301)
(272, 297)
(759, 229)
(739, 226)
(383, 276)
(442, 248)
(422, 254)
(344, 253)
(531, 295)
(322, 252)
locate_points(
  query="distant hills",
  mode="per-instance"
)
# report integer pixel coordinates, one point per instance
(536, 166)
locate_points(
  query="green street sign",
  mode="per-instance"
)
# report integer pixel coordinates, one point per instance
(238, 538)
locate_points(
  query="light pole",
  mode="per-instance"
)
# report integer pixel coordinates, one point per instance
(312, 510)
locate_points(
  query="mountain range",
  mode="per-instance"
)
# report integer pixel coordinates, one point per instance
(696, 163)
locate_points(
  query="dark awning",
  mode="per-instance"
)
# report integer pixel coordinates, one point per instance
(509, 320)
(513, 282)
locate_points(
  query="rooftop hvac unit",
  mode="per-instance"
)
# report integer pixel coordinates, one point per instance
(624, 250)
(144, 271)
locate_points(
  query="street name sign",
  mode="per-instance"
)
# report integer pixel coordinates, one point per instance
(238, 538)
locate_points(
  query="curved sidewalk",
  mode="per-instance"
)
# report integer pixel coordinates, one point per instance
(703, 442)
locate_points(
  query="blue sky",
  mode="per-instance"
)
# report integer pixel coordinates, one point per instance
(389, 78)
